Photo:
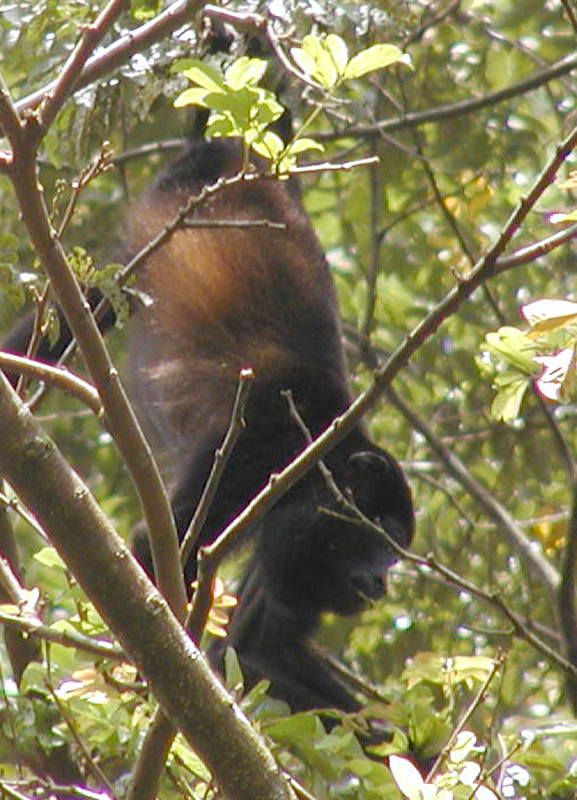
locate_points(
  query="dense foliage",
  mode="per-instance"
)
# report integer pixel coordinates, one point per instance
(469, 656)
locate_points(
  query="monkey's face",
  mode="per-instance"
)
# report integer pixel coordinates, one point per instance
(315, 561)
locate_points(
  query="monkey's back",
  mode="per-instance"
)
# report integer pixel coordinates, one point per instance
(255, 292)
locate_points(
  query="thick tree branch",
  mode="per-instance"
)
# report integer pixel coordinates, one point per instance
(137, 614)
(120, 417)
(160, 733)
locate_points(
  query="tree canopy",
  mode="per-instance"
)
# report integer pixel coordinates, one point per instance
(435, 146)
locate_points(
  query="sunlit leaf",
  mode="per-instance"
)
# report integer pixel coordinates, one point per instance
(338, 51)
(302, 145)
(556, 368)
(570, 182)
(304, 60)
(316, 60)
(145, 9)
(373, 58)
(50, 558)
(513, 345)
(205, 76)
(245, 71)
(548, 315)
(462, 747)
(507, 402)
(407, 777)
(191, 97)
(270, 145)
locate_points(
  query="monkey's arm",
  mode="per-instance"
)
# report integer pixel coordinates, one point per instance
(272, 643)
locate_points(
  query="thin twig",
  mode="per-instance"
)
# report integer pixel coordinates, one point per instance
(57, 376)
(531, 252)
(87, 759)
(13, 504)
(120, 51)
(473, 706)
(570, 11)
(459, 109)
(222, 454)
(536, 564)
(72, 69)
(566, 600)
(160, 733)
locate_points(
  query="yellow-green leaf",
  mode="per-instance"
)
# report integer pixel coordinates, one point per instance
(204, 76)
(338, 51)
(376, 57)
(245, 72)
(191, 97)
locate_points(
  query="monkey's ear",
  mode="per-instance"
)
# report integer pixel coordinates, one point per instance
(369, 461)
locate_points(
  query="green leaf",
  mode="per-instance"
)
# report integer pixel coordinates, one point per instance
(305, 61)
(507, 402)
(305, 727)
(338, 50)
(192, 97)
(269, 146)
(316, 60)
(205, 76)
(190, 760)
(233, 676)
(145, 9)
(301, 145)
(221, 125)
(245, 72)
(373, 58)
(50, 558)
(514, 346)
(106, 280)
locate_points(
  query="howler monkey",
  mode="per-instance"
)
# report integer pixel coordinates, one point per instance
(259, 294)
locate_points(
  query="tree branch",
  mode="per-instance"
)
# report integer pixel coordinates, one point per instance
(57, 376)
(454, 110)
(119, 415)
(120, 51)
(68, 79)
(537, 565)
(137, 614)
(566, 600)
(280, 483)
(160, 733)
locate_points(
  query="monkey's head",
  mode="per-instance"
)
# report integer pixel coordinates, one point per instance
(319, 557)
(380, 491)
